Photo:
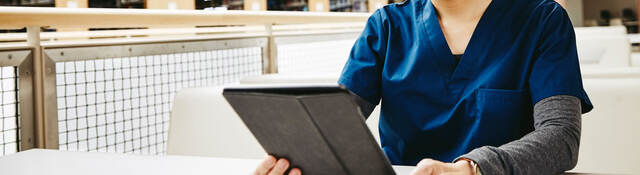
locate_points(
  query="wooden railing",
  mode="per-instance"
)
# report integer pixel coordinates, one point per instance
(159, 29)
(19, 17)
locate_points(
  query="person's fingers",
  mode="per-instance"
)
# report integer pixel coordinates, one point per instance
(280, 168)
(265, 166)
(425, 167)
(295, 171)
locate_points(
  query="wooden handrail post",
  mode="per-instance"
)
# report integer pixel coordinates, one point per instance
(272, 50)
(45, 118)
(33, 40)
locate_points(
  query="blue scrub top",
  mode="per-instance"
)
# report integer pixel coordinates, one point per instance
(521, 52)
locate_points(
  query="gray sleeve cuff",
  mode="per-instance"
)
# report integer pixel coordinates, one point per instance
(487, 159)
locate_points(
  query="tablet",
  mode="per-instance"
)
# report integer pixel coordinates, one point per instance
(319, 129)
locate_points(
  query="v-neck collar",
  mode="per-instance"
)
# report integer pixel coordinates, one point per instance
(474, 51)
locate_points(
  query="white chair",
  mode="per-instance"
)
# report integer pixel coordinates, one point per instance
(589, 72)
(635, 59)
(291, 79)
(604, 51)
(601, 31)
(204, 124)
(610, 136)
(603, 46)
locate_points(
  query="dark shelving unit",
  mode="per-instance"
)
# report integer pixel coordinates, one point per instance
(287, 5)
(234, 4)
(225, 4)
(602, 13)
(348, 6)
(139, 4)
(28, 3)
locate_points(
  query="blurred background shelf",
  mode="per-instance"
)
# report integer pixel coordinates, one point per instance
(589, 13)
(28, 3)
(116, 4)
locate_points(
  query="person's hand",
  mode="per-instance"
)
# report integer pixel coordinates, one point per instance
(273, 166)
(434, 167)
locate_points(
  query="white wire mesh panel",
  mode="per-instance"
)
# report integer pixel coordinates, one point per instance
(313, 57)
(123, 104)
(8, 111)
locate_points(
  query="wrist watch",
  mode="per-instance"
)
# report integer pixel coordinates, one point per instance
(474, 166)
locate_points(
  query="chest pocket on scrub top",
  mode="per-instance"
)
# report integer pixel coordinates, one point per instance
(501, 115)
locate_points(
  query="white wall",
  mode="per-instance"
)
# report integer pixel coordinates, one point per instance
(576, 13)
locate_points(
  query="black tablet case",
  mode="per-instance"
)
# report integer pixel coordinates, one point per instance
(319, 129)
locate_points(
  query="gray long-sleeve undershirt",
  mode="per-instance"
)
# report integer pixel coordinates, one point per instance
(552, 148)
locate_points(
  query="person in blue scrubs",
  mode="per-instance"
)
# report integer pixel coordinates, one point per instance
(501, 94)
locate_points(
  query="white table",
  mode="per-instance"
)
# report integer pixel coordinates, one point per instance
(53, 162)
